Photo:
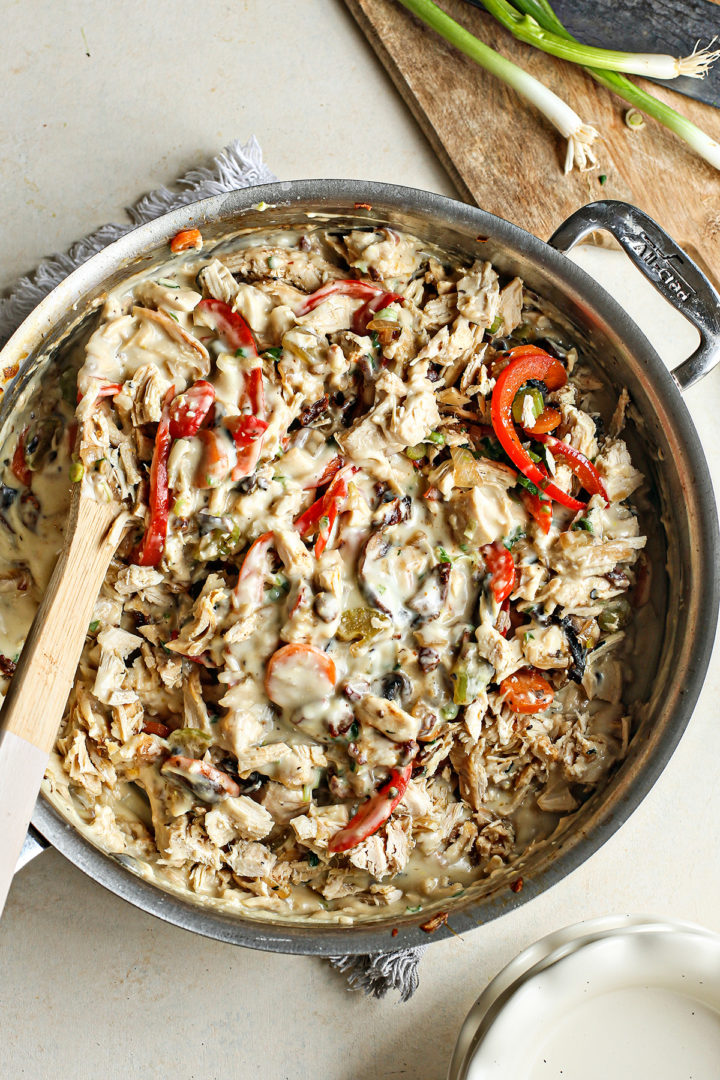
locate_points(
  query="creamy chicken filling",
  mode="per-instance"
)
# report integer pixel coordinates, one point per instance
(314, 701)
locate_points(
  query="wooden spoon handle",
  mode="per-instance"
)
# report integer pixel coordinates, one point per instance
(39, 690)
(40, 686)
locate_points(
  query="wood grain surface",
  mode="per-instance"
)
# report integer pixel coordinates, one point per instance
(506, 158)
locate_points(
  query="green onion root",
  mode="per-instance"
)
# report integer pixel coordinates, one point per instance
(697, 139)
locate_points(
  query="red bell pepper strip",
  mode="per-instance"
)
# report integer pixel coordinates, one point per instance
(500, 563)
(363, 315)
(235, 332)
(249, 588)
(374, 812)
(347, 287)
(19, 466)
(548, 420)
(229, 325)
(109, 390)
(245, 429)
(584, 469)
(539, 508)
(190, 409)
(248, 456)
(322, 514)
(327, 474)
(362, 290)
(527, 362)
(72, 432)
(215, 463)
(149, 551)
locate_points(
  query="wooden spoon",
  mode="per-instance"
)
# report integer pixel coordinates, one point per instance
(39, 690)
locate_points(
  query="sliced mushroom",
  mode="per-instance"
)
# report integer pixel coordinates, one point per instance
(205, 781)
(577, 651)
(392, 513)
(430, 598)
(395, 686)
(371, 571)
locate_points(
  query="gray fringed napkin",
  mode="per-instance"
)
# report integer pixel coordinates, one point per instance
(236, 167)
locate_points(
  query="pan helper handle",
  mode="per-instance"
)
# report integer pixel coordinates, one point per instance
(665, 265)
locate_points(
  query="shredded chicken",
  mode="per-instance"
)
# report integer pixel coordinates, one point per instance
(360, 658)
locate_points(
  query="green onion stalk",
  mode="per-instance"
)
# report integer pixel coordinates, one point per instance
(580, 136)
(527, 27)
(698, 140)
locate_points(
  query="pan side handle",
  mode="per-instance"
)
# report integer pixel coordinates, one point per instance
(666, 266)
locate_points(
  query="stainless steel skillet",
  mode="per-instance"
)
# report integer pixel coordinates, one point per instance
(683, 509)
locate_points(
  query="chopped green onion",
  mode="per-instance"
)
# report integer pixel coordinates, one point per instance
(275, 593)
(244, 351)
(168, 283)
(615, 616)
(172, 316)
(312, 858)
(281, 480)
(442, 555)
(413, 910)
(437, 438)
(307, 792)
(580, 136)
(651, 65)
(527, 405)
(528, 485)
(93, 626)
(584, 524)
(416, 453)
(496, 324)
(602, 179)
(354, 730)
(390, 312)
(274, 353)
(273, 262)
(516, 535)
(449, 711)
(700, 142)
(461, 688)
(77, 471)
(634, 119)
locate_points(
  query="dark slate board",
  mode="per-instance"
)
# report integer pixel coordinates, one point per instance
(668, 26)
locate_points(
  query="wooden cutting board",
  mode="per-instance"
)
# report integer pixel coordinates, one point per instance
(506, 158)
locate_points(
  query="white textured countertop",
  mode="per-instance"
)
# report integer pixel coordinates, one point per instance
(90, 987)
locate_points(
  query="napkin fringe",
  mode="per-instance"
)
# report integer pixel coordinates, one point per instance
(375, 975)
